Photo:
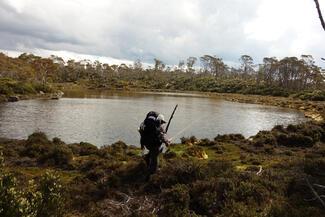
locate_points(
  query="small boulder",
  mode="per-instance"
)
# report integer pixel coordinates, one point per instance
(13, 98)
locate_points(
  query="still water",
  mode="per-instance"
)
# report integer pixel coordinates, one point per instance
(102, 118)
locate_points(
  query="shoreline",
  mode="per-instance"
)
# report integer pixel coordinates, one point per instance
(313, 110)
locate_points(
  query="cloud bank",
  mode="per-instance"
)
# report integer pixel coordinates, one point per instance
(165, 29)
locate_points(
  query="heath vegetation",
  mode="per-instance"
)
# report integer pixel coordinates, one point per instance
(274, 173)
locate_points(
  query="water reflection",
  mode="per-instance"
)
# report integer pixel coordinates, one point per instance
(105, 117)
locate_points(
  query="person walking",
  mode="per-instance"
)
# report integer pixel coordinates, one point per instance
(153, 135)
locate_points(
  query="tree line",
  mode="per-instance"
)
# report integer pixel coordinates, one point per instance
(289, 73)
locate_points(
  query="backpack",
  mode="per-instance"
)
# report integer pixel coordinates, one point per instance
(150, 131)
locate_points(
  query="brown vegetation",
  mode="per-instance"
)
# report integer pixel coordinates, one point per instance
(264, 175)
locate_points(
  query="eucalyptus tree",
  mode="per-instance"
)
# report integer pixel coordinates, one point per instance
(181, 65)
(213, 65)
(247, 64)
(159, 65)
(270, 70)
(190, 62)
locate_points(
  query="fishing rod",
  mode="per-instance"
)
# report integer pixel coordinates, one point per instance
(187, 127)
(164, 148)
(171, 117)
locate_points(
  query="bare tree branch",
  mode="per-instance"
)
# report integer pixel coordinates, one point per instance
(315, 198)
(259, 171)
(315, 193)
(320, 14)
(320, 186)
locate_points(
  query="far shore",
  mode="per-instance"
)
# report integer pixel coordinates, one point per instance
(313, 110)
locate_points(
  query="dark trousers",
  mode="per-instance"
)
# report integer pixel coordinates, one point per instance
(152, 159)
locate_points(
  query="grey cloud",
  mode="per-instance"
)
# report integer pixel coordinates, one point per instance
(29, 29)
(137, 29)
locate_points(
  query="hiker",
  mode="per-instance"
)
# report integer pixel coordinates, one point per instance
(152, 137)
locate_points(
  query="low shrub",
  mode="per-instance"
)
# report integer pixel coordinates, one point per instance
(316, 95)
(294, 140)
(251, 192)
(229, 137)
(46, 152)
(83, 149)
(118, 150)
(209, 196)
(178, 172)
(189, 141)
(51, 203)
(263, 138)
(206, 143)
(176, 201)
(37, 138)
(57, 155)
(31, 200)
(196, 151)
(314, 166)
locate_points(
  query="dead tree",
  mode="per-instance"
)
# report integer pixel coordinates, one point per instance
(320, 14)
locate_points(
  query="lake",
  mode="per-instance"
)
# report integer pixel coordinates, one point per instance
(104, 117)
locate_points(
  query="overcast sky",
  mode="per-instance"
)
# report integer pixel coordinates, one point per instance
(169, 30)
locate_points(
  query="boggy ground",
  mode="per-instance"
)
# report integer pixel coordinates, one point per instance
(273, 173)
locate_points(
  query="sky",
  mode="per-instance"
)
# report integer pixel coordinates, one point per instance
(170, 30)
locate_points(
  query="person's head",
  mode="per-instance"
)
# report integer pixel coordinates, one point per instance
(161, 119)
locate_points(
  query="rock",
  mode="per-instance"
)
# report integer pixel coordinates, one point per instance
(13, 98)
(41, 92)
(314, 116)
(57, 95)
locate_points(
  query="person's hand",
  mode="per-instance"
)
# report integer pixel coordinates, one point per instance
(168, 142)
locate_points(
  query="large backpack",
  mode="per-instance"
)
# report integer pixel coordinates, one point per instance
(150, 131)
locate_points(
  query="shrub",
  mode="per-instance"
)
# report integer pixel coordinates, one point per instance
(44, 200)
(57, 155)
(208, 196)
(196, 151)
(264, 138)
(254, 192)
(316, 95)
(37, 138)
(13, 202)
(239, 209)
(189, 141)
(229, 137)
(43, 87)
(83, 149)
(315, 167)
(178, 172)
(46, 152)
(294, 140)
(176, 201)
(206, 143)
(117, 150)
(52, 200)
(57, 141)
